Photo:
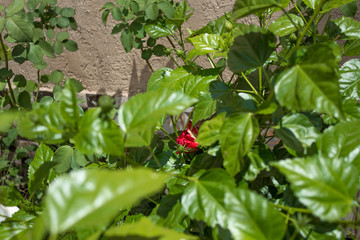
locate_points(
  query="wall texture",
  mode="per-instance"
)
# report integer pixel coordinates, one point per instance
(101, 64)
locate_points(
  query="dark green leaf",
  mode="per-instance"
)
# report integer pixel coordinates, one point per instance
(97, 135)
(250, 51)
(116, 13)
(35, 54)
(67, 12)
(63, 157)
(127, 40)
(56, 76)
(333, 4)
(145, 229)
(105, 16)
(152, 11)
(47, 49)
(63, 22)
(24, 100)
(350, 78)
(14, 7)
(18, 29)
(312, 85)
(325, 185)
(351, 48)
(349, 9)
(94, 197)
(58, 47)
(238, 134)
(204, 108)
(19, 54)
(243, 8)
(70, 45)
(10, 196)
(146, 54)
(166, 8)
(61, 36)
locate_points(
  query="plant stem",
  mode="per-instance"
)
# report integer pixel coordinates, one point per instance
(154, 157)
(38, 88)
(292, 209)
(213, 66)
(151, 68)
(288, 16)
(166, 133)
(260, 81)
(172, 44)
(12, 96)
(252, 87)
(298, 10)
(174, 60)
(309, 24)
(245, 91)
(174, 126)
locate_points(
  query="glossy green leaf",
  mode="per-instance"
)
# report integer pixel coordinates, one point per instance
(250, 216)
(127, 40)
(19, 29)
(157, 77)
(341, 142)
(145, 229)
(326, 186)
(250, 51)
(207, 43)
(243, 8)
(209, 132)
(350, 78)
(334, 4)
(145, 110)
(43, 154)
(63, 156)
(312, 3)
(312, 85)
(181, 80)
(14, 7)
(204, 108)
(152, 11)
(283, 26)
(158, 30)
(348, 27)
(238, 134)
(68, 106)
(204, 199)
(93, 197)
(97, 135)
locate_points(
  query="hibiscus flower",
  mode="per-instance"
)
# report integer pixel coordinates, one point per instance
(187, 139)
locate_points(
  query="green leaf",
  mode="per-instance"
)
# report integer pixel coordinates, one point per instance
(252, 217)
(158, 30)
(181, 80)
(351, 48)
(166, 7)
(18, 29)
(63, 156)
(14, 7)
(63, 22)
(341, 142)
(348, 27)
(250, 51)
(204, 108)
(50, 33)
(334, 4)
(35, 54)
(116, 13)
(67, 12)
(88, 198)
(56, 76)
(58, 47)
(152, 11)
(24, 100)
(312, 3)
(244, 8)
(70, 45)
(238, 134)
(47, 49)
(61, 36)
(203, 199)
(209, 132)
(312, 85)
(207, 43)
(326, 186)
(260, 156)
(350, 78)
(68, 105)
(283, 26)
(43, 154)
(145, 229)
(97, 135)
(127, 40)
(145, 110)
(6, 120)
(2, 23)
(349, 9)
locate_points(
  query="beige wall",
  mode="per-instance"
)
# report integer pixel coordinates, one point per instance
(101, 64)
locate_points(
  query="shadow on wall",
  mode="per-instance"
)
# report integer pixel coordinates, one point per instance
(139, 84)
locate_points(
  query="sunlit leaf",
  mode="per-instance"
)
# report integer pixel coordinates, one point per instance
(350, 78)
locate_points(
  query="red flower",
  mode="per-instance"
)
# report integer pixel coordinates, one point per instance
(187, 139)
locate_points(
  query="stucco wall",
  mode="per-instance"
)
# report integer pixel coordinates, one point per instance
(101, 64)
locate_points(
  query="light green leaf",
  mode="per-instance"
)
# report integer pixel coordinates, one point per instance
(56, 76)
(68, 105)
(350, 78)
(127, 40)
(47, 49)
(63, 156)
(43, 154)
(87, 198)
(2, 23)
(6, 120)
(351, 48)
(67, 12)
(167, 8)
(312, 85)
(252, 217)
(157, 30)
(35, 54)
(209, 131)
(145, 110)
(243, 8)
(238, 134)
(326, 186)
(98, 135)
(14, 7)
(144, 228)
(204, 199)
(341, 142)
(207, 43)
(283, 26)
(312, 3)
(152, 11)
(250, 51)
(18, 29)
(61, 36)
(334, 4)
(204, 108)
(157, 77)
